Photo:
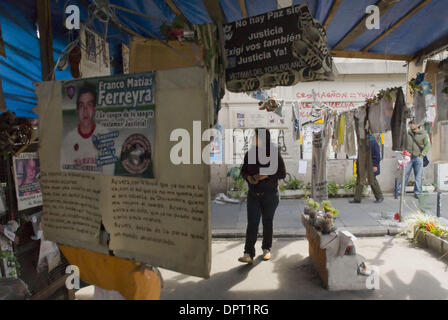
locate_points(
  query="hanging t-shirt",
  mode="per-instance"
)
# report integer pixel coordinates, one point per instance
(350, 143)
(380, 115)
(78, 152)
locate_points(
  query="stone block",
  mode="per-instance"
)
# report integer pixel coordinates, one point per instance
(336, 272)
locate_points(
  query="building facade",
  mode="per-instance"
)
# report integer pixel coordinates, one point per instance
(357, 81)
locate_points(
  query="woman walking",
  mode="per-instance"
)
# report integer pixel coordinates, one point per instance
(263, 167)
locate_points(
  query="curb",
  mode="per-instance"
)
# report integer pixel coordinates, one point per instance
(278, 234)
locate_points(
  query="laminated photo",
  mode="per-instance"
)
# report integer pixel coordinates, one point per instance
(109, 125)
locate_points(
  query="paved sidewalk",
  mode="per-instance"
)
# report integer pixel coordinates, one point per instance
(405, 273)
(365, 219)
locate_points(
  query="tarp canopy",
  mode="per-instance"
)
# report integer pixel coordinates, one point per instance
(408, 28)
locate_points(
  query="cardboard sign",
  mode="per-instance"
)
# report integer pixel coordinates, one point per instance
(95, 60)
(279, 48)
(165, 221)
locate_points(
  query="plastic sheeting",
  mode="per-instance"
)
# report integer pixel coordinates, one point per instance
(22, 63)
(22, 66)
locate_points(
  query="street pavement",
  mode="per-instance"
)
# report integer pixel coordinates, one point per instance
(365, 219)
(405, 272)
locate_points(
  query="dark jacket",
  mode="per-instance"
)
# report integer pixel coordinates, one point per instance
(376, 154)
(268, 184)
(398, 122)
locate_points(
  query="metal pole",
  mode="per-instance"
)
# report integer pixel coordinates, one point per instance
(439, 203)
(403, 187)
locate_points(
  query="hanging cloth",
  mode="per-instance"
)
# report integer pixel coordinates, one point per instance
(342, 126)
(440, 128)
(321, 140)
(419, 108)
(380, 115)
(360, 122)
(398, 123)
(297, 126)
(350, 142)
(335, 127)
(364, 162)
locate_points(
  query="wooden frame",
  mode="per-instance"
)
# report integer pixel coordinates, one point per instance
(369, 55)
(360, 28)
(433, 48)
(215, 11)
(178, 12)
(243, 8)
(397, 24)
(333, 10)
(46, 38)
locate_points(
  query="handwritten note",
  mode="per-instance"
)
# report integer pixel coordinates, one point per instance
(72, 205)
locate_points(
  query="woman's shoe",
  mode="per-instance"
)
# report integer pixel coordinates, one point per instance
(246, 258)
(266, 254)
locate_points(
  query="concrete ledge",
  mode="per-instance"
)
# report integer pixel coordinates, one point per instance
(432, 242)
(368, 231)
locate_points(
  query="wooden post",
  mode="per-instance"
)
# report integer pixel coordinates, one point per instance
(46, 38)
(413, 69)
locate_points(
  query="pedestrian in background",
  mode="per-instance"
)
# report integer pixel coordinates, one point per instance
(418, 146)
(263, 197)
(376, 158)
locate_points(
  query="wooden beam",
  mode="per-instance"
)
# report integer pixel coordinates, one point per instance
(369, 55)
(360, 28)
(397, 24)
(334, 8)
(433, 48)
(115, 22)
(243, 8)
(215, 11)
(51, 289)
(413, 69)
(173, 7)
(2, 98)
(2, 46)
(178, 12)
(46, 38)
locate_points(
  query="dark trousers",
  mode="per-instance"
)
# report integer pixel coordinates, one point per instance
(375, 188)
(260, 205)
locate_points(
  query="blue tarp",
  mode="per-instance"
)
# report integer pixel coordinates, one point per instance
(22, 66)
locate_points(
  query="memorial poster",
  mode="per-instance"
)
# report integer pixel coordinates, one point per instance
(164, 221)
(26, 173)
(109, 125)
